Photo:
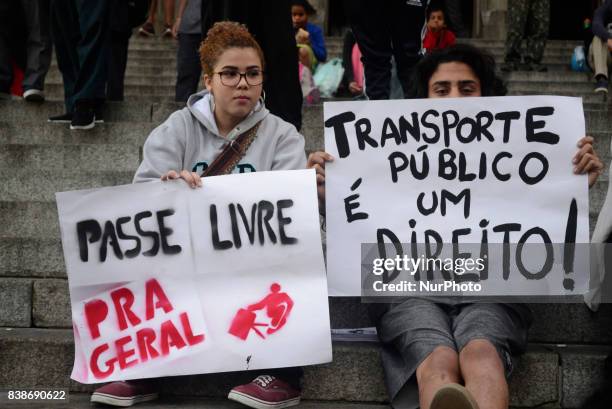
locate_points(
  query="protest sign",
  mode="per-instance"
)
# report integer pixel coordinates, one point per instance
(167, 280)
(473, 171)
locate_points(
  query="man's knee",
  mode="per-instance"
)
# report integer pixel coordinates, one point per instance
(441, 365)
(481, 354)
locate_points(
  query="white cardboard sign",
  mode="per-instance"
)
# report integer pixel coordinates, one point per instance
(166, 280)
(459, 168)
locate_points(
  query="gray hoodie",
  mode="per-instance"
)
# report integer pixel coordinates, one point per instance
(189, 139)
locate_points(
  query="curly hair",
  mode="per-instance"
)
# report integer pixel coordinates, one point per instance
(481, 62)
(224, 35)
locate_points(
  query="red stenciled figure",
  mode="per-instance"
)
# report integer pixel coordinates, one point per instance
(277, 305)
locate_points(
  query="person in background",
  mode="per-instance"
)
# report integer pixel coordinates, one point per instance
(386, 29)
(81, 33)
(148, 28)
(308, 36)
(600, 58)
(187, 29)
(528, 20)
(25, 48)
(438, 36)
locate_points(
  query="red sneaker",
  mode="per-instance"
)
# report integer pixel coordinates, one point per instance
(265, 392)
(125, 393)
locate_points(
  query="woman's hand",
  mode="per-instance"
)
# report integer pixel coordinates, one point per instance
(192, 178)
(587, 161)
(317, 161)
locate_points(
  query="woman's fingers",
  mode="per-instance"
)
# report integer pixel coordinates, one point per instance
(192, 178)
(170, 175)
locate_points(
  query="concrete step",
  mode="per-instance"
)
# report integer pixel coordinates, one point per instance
(75, 157)
(24, 185)
(144, 92)
(559, 88)
(355, 375)
(131, 69)
(19, 111)
(81, 401)
(154, 78)
(45, 134)
(541, 77)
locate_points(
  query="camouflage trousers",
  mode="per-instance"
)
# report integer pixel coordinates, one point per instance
(529, 20)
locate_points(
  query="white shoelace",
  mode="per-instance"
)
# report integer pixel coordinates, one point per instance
(263, 380)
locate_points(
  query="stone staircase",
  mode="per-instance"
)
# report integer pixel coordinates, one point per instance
(567, 343)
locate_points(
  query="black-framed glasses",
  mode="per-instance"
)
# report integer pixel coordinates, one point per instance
(231, 78)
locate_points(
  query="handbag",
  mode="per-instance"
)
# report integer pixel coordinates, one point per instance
(232, 152)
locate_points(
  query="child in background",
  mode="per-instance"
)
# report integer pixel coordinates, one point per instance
(308, 36)
(438, 36)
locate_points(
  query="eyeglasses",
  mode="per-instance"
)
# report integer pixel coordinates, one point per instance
(231, 78)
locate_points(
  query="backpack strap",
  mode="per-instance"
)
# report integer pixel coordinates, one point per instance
(232, 152)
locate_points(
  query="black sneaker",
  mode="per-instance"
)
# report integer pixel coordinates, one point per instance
(61, 119)
(84, 117)
(34, 95)
(601, 85)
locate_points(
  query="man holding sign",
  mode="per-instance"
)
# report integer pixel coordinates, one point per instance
(459, 352)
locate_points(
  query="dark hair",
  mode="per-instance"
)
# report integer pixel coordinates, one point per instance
(481, 62)
(308, 8)
(435, 6)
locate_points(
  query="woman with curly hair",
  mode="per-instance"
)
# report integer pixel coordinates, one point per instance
(188, 142)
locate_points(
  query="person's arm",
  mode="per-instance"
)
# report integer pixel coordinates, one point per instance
(177, 21)
(317, 42)
(599, 21)
(289, 152)
(164, 152)
(430, 40)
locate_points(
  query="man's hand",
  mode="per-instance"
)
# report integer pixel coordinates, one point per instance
(316, 161)
(587, 161)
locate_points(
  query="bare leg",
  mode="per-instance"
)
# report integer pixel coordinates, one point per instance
(152, 12)
(483, 372)
(169, 12)
(441, 367)
(304, 58)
